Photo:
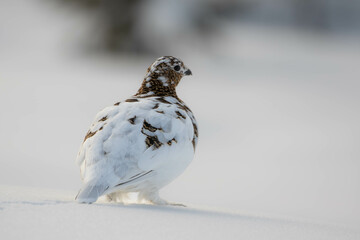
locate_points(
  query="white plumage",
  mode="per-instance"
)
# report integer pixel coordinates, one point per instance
(141, 144)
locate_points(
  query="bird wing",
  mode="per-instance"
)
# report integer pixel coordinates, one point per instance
(132, 139)
(167, 130)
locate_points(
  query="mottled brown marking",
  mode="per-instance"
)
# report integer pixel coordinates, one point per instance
(89, 134)
(194, 143)
(148, 69)
(180, 115)
(132, 120)
(160, 99)
(149, 127)
(162, 112)
(153, 141)
(117, 104)
(182, 106)
(103, 119)
(195, 130)
(131, 100)
(156, 106)
(170, 142)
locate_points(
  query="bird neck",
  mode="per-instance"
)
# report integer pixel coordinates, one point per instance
(162, 85)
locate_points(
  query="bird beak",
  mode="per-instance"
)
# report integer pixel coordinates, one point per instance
(188, 72)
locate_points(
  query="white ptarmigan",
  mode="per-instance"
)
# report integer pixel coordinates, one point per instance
(141, 144)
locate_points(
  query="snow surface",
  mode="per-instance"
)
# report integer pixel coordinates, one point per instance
(32, 213)
(278, 114)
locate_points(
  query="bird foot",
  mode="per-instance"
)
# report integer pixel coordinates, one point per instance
(155, 199)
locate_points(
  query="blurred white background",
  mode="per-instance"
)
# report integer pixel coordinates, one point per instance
(275, 89)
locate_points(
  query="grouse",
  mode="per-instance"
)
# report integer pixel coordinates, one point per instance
(140, 144)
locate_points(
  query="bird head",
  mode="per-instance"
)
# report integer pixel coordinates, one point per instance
(166, 64)
(163, 76)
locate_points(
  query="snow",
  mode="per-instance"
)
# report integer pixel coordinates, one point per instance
(42, 214)
(278, 113)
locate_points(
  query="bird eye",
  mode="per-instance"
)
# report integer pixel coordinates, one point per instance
(177, 68)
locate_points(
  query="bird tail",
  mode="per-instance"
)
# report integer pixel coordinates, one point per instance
(90, 192)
